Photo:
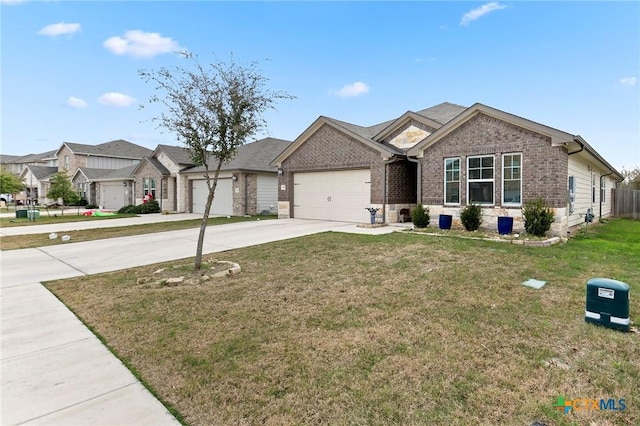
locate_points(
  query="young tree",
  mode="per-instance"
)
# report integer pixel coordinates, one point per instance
(10, 183)
(212, 110)
(61, 188)
(631, 178)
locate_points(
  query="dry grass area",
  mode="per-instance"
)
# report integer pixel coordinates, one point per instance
(394, 329)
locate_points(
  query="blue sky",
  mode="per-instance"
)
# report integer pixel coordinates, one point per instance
(70, 68)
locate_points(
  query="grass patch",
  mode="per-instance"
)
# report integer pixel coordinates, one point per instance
(45, 219)
(394, 329)
(41, 240)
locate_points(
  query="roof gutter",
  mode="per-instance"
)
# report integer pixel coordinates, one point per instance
(581, 147)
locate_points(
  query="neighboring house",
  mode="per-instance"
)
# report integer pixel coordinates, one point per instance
(159, 175)
(109, 155)
(37, 183)
(108, 189)
(445, 157)
(15, 164)
(246, 185)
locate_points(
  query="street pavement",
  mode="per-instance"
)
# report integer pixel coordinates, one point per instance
(54, 371)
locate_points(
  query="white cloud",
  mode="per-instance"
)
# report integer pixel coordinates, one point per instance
(116, 99)
(59, 29)
(350, 90)
(479, 12)
(140, 44)
(628, 81)
(74, 102)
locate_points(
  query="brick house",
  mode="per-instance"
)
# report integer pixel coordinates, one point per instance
(445, 157)
(91, 169)
(247, 184)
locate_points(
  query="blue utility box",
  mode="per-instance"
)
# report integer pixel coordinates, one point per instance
(608, 303)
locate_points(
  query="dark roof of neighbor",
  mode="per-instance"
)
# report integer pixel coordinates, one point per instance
(155, 163)
(255, 156)
(177, 154)
(118, 148)
(92, 173)
(42, 172)
(123, 173)
(32, 158)
(5, 158)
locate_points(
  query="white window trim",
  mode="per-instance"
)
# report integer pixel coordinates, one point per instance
(444, 184)
(503, 202)
(493, 193)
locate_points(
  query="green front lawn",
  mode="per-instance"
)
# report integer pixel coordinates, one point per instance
(41, 240)
(46, 218)
(394, 329)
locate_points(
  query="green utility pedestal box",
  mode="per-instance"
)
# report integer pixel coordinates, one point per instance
(608, 303)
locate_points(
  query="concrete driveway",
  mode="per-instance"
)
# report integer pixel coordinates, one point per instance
(54, 370)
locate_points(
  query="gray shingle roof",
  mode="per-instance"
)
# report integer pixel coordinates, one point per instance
(177, 154)
(159, 166)
(443, 112)
(118, 148)
(123, 173)
(5, 159)
(92, 174)
(255, 156)
(34, 158)
(42, 172)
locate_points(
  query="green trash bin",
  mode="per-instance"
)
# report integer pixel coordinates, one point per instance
(608, 303)
(33, 214)
(21, 214)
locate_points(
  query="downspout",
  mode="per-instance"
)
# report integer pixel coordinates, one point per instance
(246, 194)
(601, 176)
(384, 188)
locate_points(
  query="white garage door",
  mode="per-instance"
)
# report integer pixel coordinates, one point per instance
(267, 196)
(222, 201)
(112, 195)
(340, 195)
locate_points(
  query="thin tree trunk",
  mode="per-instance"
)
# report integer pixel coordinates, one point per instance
(207, 208)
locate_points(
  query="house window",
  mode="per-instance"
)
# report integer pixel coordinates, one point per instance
(149, 187)
(593, 187)
(82, 190)
(480, 180)
(572, 193)
(603, 188)
(512, 179)
(452, 181)
(66, 162)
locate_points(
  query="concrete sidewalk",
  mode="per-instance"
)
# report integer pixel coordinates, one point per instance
(54, 370)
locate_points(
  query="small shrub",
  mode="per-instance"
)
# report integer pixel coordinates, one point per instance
(91, 206)
(82, 202)
(538, 217)
(150, 207)
(130, 209)
(471, 217)
(420, 216)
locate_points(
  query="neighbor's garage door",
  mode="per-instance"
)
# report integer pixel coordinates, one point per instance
(339, 195)
(112, 195)
(222, 201)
